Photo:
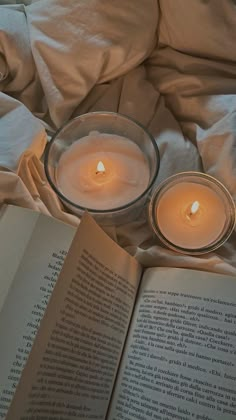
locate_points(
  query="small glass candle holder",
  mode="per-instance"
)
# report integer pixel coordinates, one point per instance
(192, 213)
(105, 163)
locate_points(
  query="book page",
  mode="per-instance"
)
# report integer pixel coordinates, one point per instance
(32, 251)
(71, 370)
(180, 357)
(15, 222)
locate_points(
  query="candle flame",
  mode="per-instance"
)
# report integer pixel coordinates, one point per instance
(100, 167)
(194, 208)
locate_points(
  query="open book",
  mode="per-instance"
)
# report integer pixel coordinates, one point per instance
(107, 339)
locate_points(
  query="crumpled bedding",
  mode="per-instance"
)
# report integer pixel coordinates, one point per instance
(170, 65)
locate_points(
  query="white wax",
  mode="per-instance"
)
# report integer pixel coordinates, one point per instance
(187, 230)
(126, 171)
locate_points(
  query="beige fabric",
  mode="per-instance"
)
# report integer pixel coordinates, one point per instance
(86, 42)
(28, 188)
(98, 55)
(19, 76)
(19, 130)
(200, 28)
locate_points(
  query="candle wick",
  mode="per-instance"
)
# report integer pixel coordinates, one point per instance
(191, 213)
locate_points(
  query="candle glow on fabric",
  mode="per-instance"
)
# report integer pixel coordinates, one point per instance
(190, 215)
(103, 171)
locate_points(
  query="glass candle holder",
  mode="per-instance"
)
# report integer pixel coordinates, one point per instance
(105, 163)
(192, 213)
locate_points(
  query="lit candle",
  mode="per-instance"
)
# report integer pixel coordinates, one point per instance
(102, 171)
(192, 211)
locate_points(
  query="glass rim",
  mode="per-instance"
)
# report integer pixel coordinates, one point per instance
(223, 237)
(101, 211)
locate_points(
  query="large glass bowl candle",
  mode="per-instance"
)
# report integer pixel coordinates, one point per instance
(192, 213)
(105, 163)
